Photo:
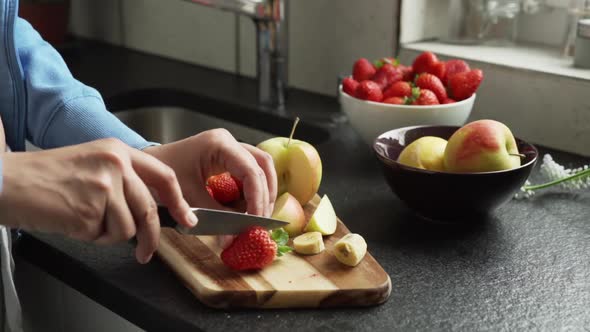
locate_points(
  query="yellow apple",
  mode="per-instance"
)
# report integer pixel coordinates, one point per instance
(323, 219)
(288, 209)
(481, 146)
(426, 153)
(297, 164)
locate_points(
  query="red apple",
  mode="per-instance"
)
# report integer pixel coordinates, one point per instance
(481, 146)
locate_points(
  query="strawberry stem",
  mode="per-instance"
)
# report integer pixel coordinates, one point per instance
(281, 237)
(293, 130)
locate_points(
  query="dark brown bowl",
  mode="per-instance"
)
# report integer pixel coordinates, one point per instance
(445, 196)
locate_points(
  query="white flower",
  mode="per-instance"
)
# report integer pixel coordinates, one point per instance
(556, 174)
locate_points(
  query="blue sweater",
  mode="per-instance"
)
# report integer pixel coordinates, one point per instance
(40, 100)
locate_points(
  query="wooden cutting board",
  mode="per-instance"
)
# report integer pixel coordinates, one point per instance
(290, 281)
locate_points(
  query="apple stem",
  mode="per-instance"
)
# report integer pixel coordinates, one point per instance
(293, 130)
(517, 154)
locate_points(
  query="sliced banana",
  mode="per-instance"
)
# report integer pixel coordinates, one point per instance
(350, 249)
(310, 243)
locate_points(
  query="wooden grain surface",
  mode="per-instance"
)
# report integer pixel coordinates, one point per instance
(290, 281)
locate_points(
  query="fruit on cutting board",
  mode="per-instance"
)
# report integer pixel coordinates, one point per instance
(350, 249)
(255, 248)
(425, 153)
(288, 209)
(323, 219)
(310, 243)
(224, 188)
(450, 81)
(297, 164)
(481, 146)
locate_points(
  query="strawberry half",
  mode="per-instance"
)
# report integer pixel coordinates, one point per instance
(224, 188)
(255, 248)
(432, 83)
(463, 85)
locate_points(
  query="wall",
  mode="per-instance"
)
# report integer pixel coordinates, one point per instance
(325, 36)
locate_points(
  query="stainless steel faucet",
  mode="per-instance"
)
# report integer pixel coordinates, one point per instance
(271, 39)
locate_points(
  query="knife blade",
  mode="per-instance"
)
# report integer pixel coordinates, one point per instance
(218, 222)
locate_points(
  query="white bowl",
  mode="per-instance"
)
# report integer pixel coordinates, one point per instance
(371, 119)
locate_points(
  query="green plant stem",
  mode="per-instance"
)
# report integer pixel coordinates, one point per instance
(567, 178)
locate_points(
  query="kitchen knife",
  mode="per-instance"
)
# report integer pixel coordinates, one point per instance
(218, 222)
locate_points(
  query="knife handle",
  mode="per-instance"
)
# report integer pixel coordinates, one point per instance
(166, 220)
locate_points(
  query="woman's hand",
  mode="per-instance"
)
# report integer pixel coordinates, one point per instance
(215, 151)
(95, 192)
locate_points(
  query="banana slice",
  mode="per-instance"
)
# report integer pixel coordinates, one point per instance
(350, 249)
(310, 243)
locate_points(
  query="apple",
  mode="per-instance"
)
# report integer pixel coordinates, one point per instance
(426, 153)
(297, 164)
(481, 146)
(288, 209)
(323, 219)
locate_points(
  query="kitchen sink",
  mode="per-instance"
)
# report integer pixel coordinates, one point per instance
(169, 124)
(167, 116)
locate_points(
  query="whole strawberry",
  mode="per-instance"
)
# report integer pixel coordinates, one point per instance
(395, 100)
(426, 97)
(438, 69)
(255, 248)
(432, 83)
(447, 101)
(224, 188)
(454, 67)
(387, 75)
(398, 89)
(369, 90)
(424, 62)
(349, 85)
(407, 73)
(363, 70)
(463, 85)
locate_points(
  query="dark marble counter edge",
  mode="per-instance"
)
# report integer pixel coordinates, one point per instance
(116, 71)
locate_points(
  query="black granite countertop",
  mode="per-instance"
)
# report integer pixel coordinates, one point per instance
(525, 268)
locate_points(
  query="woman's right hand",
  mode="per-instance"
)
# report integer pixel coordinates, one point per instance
(97, 192)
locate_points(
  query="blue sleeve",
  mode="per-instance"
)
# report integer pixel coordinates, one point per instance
(60, 109)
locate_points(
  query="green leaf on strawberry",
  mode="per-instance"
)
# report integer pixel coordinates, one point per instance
(281, 237)
(380, 62)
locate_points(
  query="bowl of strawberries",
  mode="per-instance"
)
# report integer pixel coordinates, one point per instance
(384, 94)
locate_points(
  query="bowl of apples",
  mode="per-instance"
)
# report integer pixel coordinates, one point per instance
(384, 94)
(455, 174)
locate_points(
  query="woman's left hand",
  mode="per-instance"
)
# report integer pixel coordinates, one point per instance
(212, 152)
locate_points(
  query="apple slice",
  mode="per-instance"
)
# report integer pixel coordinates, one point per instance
(288, 209)
(323, 219)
